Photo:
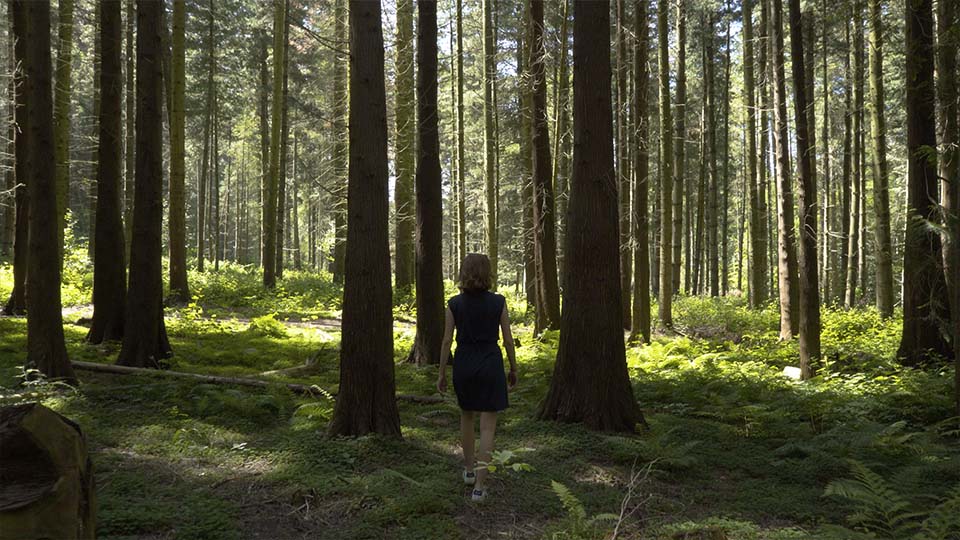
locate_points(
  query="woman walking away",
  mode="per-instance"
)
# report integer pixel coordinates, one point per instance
(478, 377)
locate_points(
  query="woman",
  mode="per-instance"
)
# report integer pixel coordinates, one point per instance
(478, 377)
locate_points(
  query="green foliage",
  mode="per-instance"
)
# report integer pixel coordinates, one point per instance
(268, 326)
(578, 525)
(881, 511)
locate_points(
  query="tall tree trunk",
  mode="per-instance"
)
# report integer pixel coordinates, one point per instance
(130, 95)
(590, 382)
(405, 150)
(788, 271)
(545, 242)
(807, 195)
(829, 208)
(366, 402)
(924, 286)
(430, 302)
(640, 325)
(623, 160)
(681, 142)
(489, 141)
(17, 303)
(561, 139)
(179, 289)
(725, 222)
(282, 195)
(208, 128)
(840, 289)
(215, 238)
(46, 349)
(8, 225)
(270, 219)
(263, 89)
(881, 190)
(713, 189)
(297, 256)
(341, 68)
(758, 221)
(145, 335)
(61, 114)
(526, 172)
(666, 168)
(854, 240)
(461, 195)
(109, 274)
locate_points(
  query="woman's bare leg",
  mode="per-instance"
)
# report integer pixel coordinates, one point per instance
(467, 438)
(488, 428)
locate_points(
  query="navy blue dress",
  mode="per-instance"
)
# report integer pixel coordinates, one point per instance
(478, 376)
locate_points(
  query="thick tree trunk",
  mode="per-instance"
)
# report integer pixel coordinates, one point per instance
(366, 401)
(881, 190)
(276, 133)
(758, 221)
(925, 306)
(666, 169)
(590, 383)
(61, 113)
(46, 349)
(788, 276)
(405, 151)
(545, 242)
(430, 301)
(489, 141)
(17, 303)
(807, 195)
(640, 325)
(109, 276)
(145, 336)
(179, 289)
(623, 161)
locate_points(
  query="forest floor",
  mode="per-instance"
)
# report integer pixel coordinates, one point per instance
(735, 449)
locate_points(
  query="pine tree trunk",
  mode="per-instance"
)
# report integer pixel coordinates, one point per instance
(545, 242)
(640, 325)
(179, 289)
(405, 150)
(282, 195)
(680, 142)
(853, 246)
(666, 169)
(489, 141)
(561, 139)
(341, 68)
(829, 207)
(725, 222)
(8, 225)
(881, 190)
(699, 276)
(61, 113)
(623, 160)
(366, 402)
(130, 97)
(713, 186)
(526, 174)
(17, 303)
(924, 286)
(109, 274)
(208, 128)
(271, 198)
(264, 127)
(809, 322)
(590, 383)
(840, 289)
(46, 349)
(788, 270)
(145, 336)
(461, 195)
(758, 222)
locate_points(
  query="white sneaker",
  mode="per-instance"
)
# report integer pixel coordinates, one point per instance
(479, 495)
(469, 477)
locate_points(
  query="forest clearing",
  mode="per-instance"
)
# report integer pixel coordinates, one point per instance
(693, 263)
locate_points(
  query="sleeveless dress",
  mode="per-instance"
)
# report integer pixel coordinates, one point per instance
(478, 376)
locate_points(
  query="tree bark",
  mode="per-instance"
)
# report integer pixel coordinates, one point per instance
(545, 242)
(881, 203)
(366, 401)
(46, 349)
(713, 187)
(681, 142)
(179, 289)
(924, 286)
(809, 322)
(109, 276)
(276, 124)
(145, 336)
(430, 301)
(856, 196)
(725, 220)
(130, 96)
(61, 113)
(561, 140)
(405, 151)
(282, 195)
(788, 276)
(623, 160)
(489, 141)
(666, 169)
(840, 289)
(640, 325)
(340, 157)
(8, 225)
(758, 220)
(461, 176)
(590, 383)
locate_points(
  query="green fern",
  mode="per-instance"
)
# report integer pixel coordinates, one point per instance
(570, 502)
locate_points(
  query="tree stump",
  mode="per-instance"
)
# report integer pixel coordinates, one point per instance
(46, 477)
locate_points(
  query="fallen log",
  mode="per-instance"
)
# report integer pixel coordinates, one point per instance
(305, 389)
(46, 477)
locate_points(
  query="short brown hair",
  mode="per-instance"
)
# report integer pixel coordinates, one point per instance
(475, 273)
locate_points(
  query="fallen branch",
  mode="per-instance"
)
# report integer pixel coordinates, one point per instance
(310, 390)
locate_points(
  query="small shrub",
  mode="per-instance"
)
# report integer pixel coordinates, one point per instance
(268, 326)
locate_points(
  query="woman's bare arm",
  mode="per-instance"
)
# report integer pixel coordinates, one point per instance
(508, 339)
(445, 350)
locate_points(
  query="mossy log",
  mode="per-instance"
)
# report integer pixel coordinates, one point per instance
(46, 477)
